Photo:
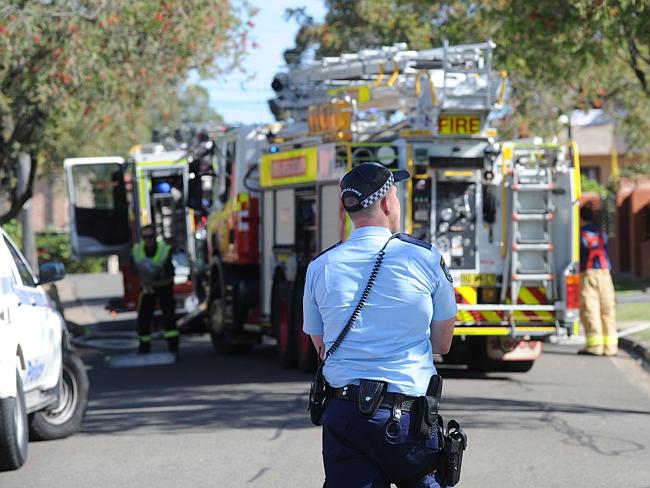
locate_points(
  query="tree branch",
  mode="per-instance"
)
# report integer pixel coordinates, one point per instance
(635, 54)
(18, 202)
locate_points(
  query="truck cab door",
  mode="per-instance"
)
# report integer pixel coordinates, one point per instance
(99, 213)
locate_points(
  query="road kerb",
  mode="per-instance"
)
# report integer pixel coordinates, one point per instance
(637, 350)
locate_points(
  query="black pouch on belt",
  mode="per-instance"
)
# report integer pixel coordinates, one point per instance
(318, 393)
(371, 394)
(427, 414)
(427, 410)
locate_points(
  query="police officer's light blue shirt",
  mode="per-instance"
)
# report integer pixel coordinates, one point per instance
(390, 339)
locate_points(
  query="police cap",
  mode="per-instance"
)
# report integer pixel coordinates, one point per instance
(367, 183)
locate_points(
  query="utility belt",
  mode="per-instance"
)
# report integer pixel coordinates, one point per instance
(351, 392)
(372, 395)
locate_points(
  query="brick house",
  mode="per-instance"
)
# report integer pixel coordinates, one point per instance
(601, 152)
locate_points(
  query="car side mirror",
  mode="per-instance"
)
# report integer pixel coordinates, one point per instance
(50, 272)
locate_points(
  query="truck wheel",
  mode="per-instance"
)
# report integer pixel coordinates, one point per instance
(63, 419)
(305, 353)
(215, 321)
(281, 322)
(478, 360)
(13, 429)
(216, 313)
(517, 366)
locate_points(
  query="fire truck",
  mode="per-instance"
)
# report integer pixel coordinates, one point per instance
(504, 215)
(113, 198)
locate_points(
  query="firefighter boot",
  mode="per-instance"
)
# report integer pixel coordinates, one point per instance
(172, 345)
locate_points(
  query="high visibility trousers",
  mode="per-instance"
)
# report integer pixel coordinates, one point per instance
(146, 307)
(598, 311)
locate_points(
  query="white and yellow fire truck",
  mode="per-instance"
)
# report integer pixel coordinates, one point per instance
(503, 214)
(112, 198)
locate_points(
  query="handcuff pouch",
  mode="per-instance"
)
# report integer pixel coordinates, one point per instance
(371, 394)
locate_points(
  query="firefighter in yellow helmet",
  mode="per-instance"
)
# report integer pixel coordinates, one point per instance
(152, 262)
(597, 298)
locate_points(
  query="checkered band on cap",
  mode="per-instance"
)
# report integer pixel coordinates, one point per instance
(379, 193)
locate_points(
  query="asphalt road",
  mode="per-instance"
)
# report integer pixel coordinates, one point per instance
(240, 421)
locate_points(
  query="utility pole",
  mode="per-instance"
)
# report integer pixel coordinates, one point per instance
(26, 220)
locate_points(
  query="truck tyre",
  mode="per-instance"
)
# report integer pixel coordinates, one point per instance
(281, 311)
(478, 360)
(215, 322)
(63, 419)
(216, 311)
(305, 353)
(13, 430)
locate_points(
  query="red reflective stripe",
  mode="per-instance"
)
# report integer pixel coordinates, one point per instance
(595, 252)
(539, 295)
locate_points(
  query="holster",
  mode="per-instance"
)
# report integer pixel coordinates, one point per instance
(451, 455)
(318, 393)
(371, 394)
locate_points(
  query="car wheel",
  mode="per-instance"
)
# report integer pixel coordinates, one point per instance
(13, 430)
(64, 419)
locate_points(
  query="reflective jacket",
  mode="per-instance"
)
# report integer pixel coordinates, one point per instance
(593, 249)
(156, 270)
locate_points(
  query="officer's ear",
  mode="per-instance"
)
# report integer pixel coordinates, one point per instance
(383, 204)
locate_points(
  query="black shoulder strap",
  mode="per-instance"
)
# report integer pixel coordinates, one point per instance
(412, 240)
(329, 249)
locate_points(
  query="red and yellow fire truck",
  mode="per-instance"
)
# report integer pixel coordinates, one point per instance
(503, 214)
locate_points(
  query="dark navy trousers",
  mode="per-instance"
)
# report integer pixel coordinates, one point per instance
(357, 454)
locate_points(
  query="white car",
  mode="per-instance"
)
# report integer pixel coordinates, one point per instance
(43, 383)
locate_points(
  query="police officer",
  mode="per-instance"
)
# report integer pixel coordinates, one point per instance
(597, 298)
(408, 316)
(153, 265)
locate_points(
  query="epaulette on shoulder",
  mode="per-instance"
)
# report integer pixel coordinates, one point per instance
(328, 249)
(412, 240)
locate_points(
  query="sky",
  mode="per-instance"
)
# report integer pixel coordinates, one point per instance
(243, 100)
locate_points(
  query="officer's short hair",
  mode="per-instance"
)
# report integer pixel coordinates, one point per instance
(587, 213)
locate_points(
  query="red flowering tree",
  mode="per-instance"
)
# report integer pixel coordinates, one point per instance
(87, 74)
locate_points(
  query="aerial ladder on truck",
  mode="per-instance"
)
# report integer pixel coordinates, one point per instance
(497, 211)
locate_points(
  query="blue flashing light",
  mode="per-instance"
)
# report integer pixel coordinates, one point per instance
(163, 187)
(273, 149)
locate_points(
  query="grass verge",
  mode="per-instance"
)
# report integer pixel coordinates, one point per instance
(633, 311)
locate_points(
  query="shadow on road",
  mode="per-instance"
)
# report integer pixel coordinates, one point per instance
(208, 391)
(203, 390)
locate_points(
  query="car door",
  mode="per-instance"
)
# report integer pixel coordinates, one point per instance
(99, 213)
(34, 328)
(8, 302)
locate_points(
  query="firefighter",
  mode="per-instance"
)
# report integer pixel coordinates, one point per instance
(408, 316)
(597, 299)
(152, 262)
